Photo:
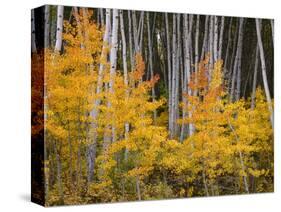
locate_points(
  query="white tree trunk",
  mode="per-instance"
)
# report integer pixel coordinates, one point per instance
(184, 75)
(136, 46)
(169, 75)
(221, 37)
(239, 48)
(174, 65)
(47, 26)
(178, 69)
(124, 53)
(187, 72)
(264, 74)
(150, 60)
(231, 69)
(211, 45)
(204, 45)
(113, 63)
(130, 41)
(95, 111)
(196, 43)
(227, 48)
(216, 38)
(59, 28)
(140, 35)
(236, 73)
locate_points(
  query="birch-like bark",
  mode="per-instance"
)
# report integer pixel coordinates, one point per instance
(227, 48)
(150, 60)
(95, 111)
(140, 24)
(236, 73)
(174, 66)
(211, 46)
(134, 18)
(184, 75)
(204, 45)
(221, 37)
(231, 69)
(264, 74)
(140, 36)
(59, 28)
(33, 42)
(240, 47)
(216, 38)
(124, 48)
(196, 43)
(125, 69)
(169, 75)
(187, 64)
(130, 41)
(178, 70)
(47, 26)
(113, 62)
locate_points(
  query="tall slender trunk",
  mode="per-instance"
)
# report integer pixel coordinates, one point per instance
(264, 74)
(47, 26)
(211, 45)
(94, 113)
(253, 96)
(178, 70)
(59, 28)
(184, 75)
(231, 69)
(216, 34)
(33, 42)
(111, 137)
(188, 66)
(134, 18)
(130, 41)
(169, 75)
(174, 66)
(140, 35)
(196, 42)
(124, 52)
(227, 48)
(236, 73)
(150, 60)
(221, 37)
(204, 45)
(101, 16)
(240, 47)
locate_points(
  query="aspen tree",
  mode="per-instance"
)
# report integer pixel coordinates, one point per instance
(59, 30)
(263, 68)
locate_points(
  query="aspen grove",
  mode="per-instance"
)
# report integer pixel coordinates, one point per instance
(144, 105)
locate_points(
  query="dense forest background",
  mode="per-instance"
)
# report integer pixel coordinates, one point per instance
(145, 105)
